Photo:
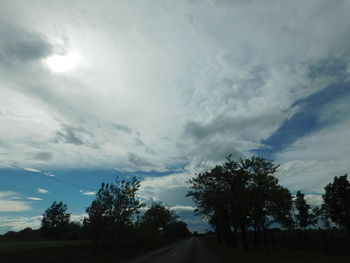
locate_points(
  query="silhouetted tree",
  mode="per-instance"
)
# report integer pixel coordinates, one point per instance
(321, 217)
(176, 230)
(55, 220)
(266, 196)
(211, 196)
(111, 214)
(281, 209)
(157, 217)
(337, 201)
(238, 195)
(303, 208)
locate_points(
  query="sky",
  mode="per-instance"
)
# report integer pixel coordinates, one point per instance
(94, 90)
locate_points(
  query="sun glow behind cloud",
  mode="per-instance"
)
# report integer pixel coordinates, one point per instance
(63, 63)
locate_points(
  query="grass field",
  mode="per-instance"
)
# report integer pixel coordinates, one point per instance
(28, 245)
(273, 255)
(70, 251)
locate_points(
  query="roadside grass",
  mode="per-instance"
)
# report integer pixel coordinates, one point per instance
(25, 245)
(73, 251)
(272, 255)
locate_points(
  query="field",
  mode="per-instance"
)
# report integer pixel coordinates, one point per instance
(272, 255)
(69, 251)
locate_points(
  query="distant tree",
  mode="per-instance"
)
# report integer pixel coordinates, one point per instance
(111, 214)
(320, 217)
(303, 208)
(337, 201)
(55, 220)
(157, 217)
(176, 230)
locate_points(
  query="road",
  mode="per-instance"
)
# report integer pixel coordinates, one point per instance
(191, 250)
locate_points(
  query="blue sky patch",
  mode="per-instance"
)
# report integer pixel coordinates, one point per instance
(307, 120)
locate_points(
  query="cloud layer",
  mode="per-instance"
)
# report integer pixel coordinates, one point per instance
(223, 80)
(175, 87)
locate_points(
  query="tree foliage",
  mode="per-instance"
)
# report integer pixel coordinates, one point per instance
(157, 217)
(111, 214)
(303, 217)
(55, 220)
(239, 195)
(177, 229)
(337, 201)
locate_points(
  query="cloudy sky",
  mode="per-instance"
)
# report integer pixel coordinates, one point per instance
(92, 90)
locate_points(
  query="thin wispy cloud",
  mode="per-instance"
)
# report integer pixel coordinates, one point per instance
(89, 193)
(34, 198)
(42, 191)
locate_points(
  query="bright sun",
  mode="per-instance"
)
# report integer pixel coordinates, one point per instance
(58, 63)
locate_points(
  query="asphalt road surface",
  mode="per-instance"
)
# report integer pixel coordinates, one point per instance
(191, 250)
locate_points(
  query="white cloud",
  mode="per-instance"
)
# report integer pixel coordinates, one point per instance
(170, 189)
(161, 183)
(88, 193)
(19, 223)
(32, 170)
(42, 191)
(78, 217)
(182, 208)
(9, 202)
(313, 161)
(313, 199)
(34, 198)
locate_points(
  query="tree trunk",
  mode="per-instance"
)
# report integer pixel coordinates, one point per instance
(244, 235)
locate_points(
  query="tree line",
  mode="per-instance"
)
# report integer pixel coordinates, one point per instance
(116, 216)
(237, 197)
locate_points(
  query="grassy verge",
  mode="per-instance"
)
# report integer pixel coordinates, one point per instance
(273, 255)
(6, 247)
(72, 251)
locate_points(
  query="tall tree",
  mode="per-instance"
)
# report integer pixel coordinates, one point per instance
(238, 195)
(55, 220)
(337, 201)
(264, 194)
(303, 208)
(281, 208)
(111, 214)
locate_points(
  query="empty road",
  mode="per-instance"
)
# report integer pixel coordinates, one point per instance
(191, 250)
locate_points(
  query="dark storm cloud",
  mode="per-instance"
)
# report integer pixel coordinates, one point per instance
(139, 142)
(217, 139)
(17, 44)
(331, 67)
(139, 161)
(75, 135)
(68, 135)
(233, 126)
(43, 156)
(122, 128)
